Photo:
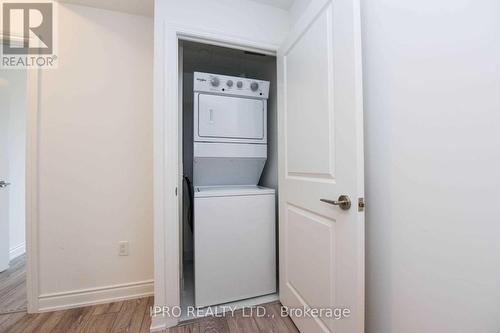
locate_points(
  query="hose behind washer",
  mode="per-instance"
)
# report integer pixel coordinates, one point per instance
(190, 195)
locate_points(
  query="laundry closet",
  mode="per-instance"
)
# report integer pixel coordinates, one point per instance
(230, 176)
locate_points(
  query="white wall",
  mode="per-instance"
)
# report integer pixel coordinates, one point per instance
(96, 155)
(17, 161)
(242, 19)
(432, 111)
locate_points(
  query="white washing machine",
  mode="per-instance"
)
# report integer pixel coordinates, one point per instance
(234, 219)
(234, 243)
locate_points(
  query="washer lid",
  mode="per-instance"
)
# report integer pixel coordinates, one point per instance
(224, 191)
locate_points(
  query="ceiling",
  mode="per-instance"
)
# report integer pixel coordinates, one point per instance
(283, 4)
(136, 7)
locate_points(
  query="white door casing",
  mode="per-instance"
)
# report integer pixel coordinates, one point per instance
(168, 157)
(321, 156)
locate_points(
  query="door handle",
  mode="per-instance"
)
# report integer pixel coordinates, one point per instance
(3, 184)
(343, 202)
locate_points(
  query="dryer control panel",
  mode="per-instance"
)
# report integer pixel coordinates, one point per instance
(230, 85)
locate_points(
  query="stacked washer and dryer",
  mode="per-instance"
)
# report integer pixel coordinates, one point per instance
(234, 218)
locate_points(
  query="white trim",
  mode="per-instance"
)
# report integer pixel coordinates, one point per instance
(220, 39)
(32, 125)
(156, 325)
(17, 250)
(360, 172)
(166, 159)
(93, 296)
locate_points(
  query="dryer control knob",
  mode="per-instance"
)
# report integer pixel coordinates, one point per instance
(214, 81)
(254, 86)
(229, 83)
(239, 84)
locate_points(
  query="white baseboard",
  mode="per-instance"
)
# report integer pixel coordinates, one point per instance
(93, 296)
(157, 324)
(16, 251)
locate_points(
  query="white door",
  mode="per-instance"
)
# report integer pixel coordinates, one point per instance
(321, 157)
(4, 176)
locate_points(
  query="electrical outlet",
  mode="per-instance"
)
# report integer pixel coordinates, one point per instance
(123, 248)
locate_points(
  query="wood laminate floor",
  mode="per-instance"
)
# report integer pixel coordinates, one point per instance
(13, 287)
(133, 316)
(126, 316)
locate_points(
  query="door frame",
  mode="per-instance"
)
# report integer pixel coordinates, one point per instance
(31, 189)
(167, 155)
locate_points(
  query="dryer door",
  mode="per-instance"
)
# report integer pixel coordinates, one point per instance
(230, 119)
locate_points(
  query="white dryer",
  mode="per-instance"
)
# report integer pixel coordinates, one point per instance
(234, 219)
(230, 130)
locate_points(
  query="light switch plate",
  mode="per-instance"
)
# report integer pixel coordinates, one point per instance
(123, 248)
